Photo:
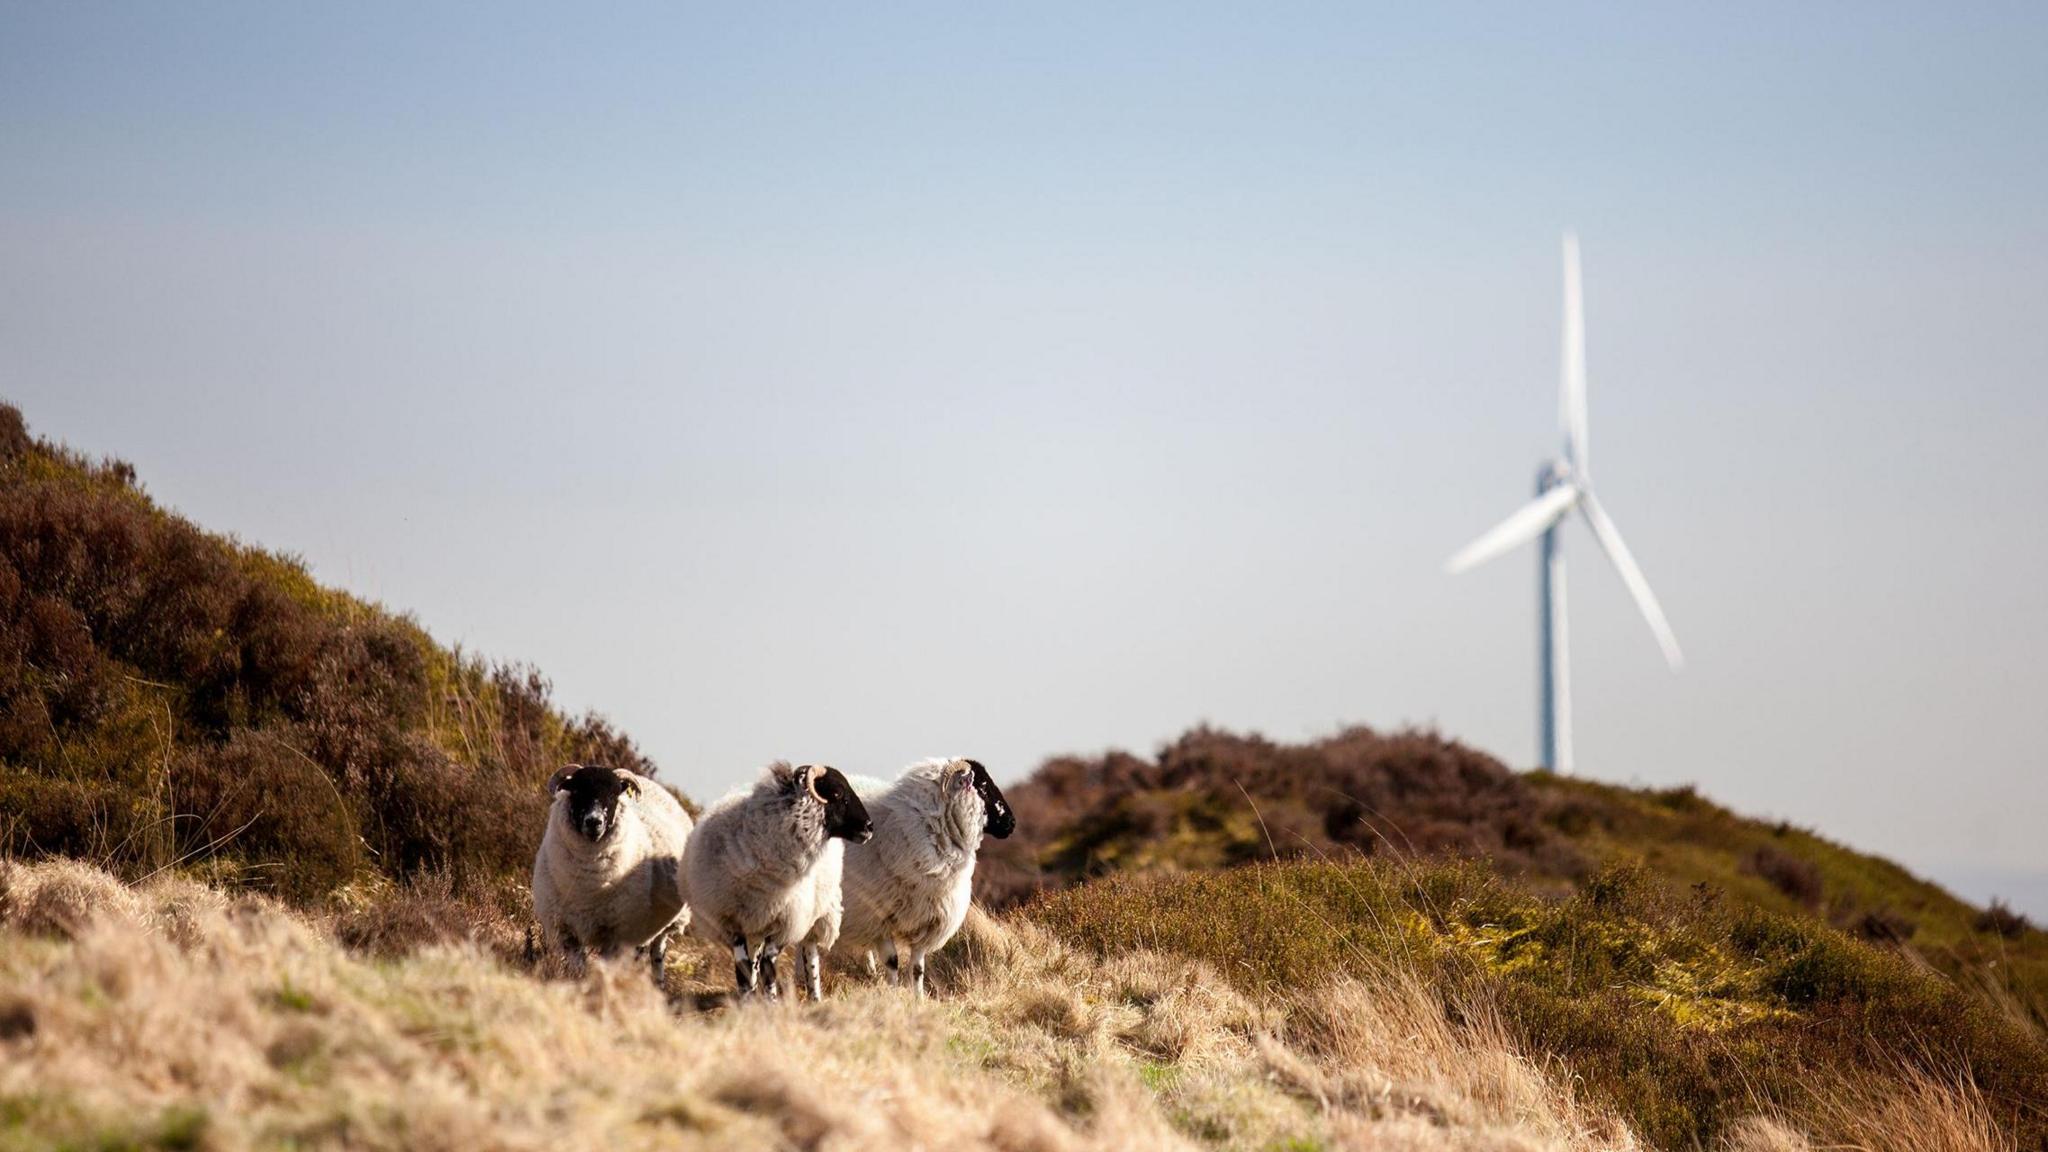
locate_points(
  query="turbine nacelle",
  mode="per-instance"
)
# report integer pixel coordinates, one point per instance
(1553, 474)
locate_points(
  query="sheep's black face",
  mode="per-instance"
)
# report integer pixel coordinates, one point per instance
(594, 795)
(845, 816)
(1001, 821)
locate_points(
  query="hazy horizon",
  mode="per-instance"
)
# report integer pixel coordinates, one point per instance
(857, 386)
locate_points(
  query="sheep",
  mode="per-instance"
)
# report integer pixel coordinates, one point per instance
(763, 869)
(609, 871)
(909, 890)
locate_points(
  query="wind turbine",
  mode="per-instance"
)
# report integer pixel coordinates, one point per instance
(1562, 485)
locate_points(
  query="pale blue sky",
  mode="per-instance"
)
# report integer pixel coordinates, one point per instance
(864, 382)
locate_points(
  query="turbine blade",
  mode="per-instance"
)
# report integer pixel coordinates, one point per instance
(1571, 398)
(1527, 523)
(1638, 586)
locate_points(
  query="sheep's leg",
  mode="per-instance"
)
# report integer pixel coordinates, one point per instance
(890, 954)
(657, 958)
(766, 959)
(874, 970)
(573, 957)
(814, 984)
(917, 971)
(802, 956)
(742, 967)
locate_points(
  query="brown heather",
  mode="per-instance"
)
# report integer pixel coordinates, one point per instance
(1216, 799)
(170, 697)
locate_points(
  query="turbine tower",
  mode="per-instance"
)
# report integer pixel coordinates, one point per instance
(1562, 485)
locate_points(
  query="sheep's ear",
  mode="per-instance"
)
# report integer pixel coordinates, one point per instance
(561, 777)
(630, 781)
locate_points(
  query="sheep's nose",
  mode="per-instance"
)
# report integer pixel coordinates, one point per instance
(593, 826)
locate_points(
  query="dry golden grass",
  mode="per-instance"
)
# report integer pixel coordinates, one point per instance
(174, 1016)
(1913, 1112)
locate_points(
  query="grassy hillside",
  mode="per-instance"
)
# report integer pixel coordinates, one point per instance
(1774, 866)
(170, 1015)
(263, 850)
(1682, 1013)
(1213, 799)
(172, 697)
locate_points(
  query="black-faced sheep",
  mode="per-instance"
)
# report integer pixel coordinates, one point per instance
(908, 890)
(762, 870)
(609, 871)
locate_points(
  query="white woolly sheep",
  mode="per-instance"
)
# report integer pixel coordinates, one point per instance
(610, 867)
(763, 869)
(908, 891)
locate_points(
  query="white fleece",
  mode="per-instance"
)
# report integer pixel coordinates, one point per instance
(912, 883)
(623, 891)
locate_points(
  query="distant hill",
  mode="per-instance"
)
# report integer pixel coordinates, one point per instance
(173, 697)
(1213, 799)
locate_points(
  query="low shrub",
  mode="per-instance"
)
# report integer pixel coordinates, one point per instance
(258, 799)
(2000, 920)
(1883, 926)
(1798, 879)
